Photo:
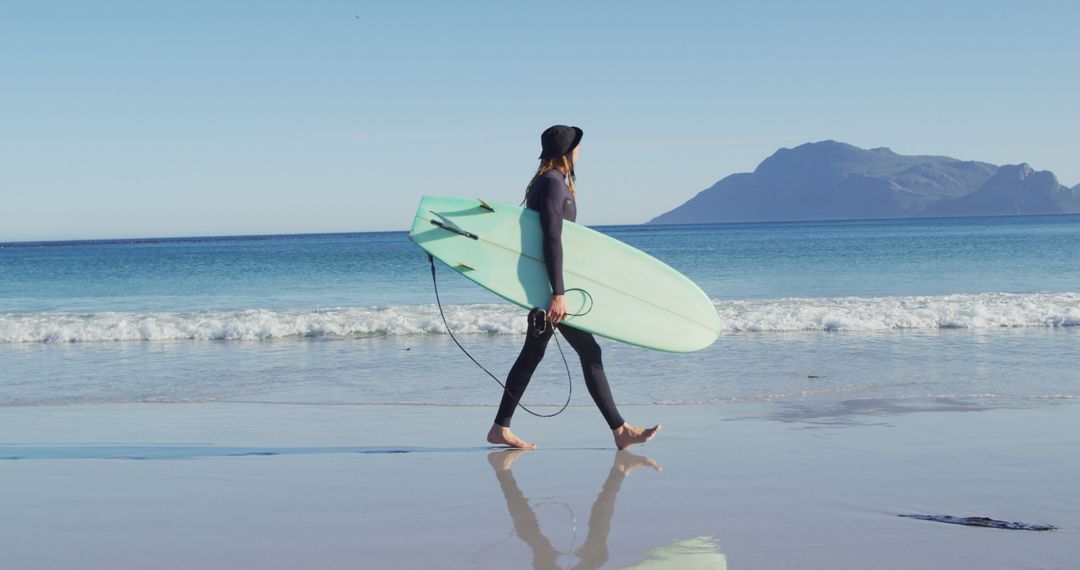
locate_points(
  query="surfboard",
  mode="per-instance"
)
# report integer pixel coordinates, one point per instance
(617, 291)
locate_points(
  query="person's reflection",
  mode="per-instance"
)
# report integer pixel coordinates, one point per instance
(594, 552)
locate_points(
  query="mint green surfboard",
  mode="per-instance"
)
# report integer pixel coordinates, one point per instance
(625, 294)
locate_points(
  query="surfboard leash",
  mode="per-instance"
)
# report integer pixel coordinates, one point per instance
(569, 379)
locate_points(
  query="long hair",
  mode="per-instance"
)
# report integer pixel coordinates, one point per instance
(554, 163)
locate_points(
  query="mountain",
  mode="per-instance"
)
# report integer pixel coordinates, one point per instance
(833, 180)
(1014, 189)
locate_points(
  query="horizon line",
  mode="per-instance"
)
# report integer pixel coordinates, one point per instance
(216, 237)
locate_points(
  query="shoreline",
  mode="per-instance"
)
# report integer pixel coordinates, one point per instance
(220, 485)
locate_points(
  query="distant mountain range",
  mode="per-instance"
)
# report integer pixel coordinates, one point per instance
(831, 180)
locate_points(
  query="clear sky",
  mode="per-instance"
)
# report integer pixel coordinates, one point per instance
(143, 118)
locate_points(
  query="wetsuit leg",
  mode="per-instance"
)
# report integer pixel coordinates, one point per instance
(593, 368)
(520, 374)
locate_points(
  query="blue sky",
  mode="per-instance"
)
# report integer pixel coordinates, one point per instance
(128, 119)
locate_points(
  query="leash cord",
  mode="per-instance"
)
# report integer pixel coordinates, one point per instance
(569, 380)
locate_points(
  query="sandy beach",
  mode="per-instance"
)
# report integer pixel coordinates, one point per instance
(794, 485)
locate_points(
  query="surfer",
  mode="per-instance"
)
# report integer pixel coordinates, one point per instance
(551, 192)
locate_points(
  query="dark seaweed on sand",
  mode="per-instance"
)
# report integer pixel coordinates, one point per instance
(981, 521)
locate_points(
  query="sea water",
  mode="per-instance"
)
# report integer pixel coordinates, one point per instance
(818, 318)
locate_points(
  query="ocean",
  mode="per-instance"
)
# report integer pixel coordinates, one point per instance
(819, 319)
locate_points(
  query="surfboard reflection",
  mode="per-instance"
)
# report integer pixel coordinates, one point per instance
(699, 552)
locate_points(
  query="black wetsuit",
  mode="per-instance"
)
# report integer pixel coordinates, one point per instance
(550, 196)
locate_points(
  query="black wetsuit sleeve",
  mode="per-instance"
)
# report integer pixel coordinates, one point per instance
(551, 218)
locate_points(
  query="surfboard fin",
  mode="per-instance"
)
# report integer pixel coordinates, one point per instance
(449, 225)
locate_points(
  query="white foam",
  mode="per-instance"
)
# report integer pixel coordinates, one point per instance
(971, 311)
(258, 324)
(966, 311)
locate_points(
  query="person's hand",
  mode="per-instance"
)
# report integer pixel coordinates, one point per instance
(556, 309)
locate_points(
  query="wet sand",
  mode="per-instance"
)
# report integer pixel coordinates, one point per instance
(795, 485)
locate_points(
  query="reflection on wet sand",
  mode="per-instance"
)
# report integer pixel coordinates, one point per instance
(690, 554)
(698, 552)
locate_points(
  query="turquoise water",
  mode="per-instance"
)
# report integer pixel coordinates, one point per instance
(729, 261)
(885, 308)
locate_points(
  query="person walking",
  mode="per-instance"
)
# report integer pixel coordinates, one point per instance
(551, 192)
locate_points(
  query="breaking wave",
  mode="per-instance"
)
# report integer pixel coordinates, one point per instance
(962, 311)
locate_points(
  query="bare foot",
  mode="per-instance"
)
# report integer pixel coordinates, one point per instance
(500, 435)
(627, 435)
(627, 462)
(503, 459)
